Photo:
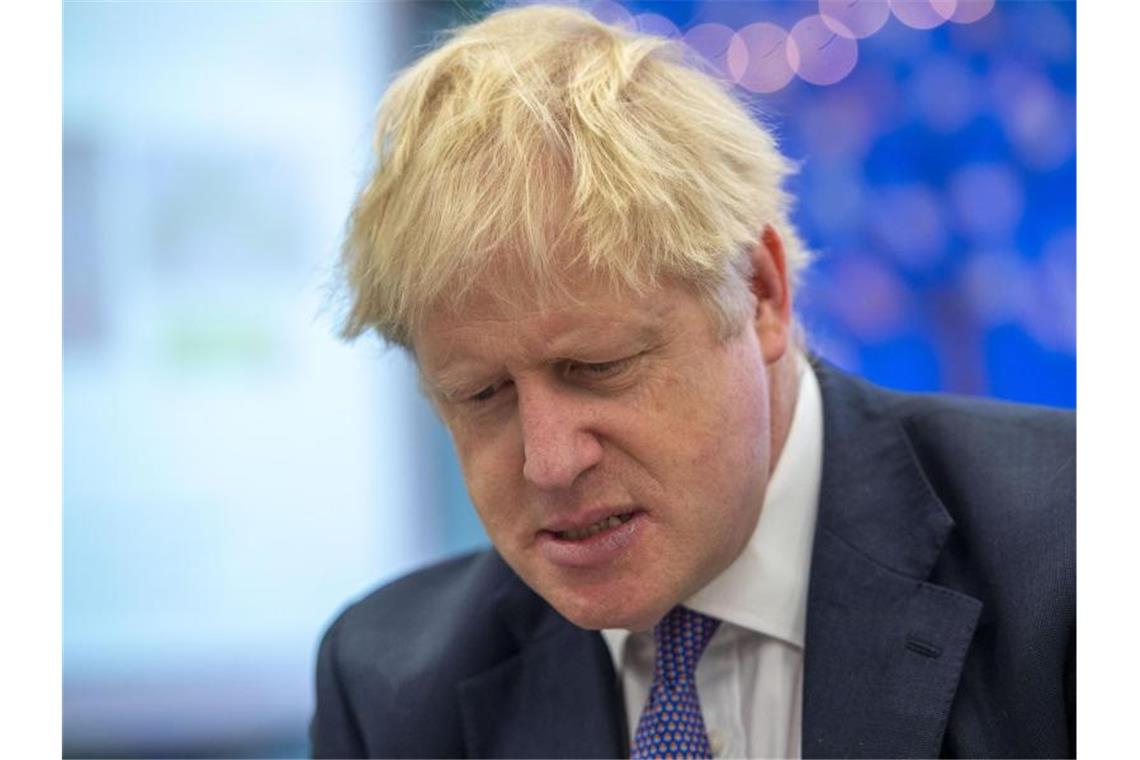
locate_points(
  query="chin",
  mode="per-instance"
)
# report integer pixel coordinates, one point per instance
(589, 612)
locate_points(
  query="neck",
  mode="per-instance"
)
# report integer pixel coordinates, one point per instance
(783, 390)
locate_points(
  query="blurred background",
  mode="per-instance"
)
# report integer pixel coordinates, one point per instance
(233, 475)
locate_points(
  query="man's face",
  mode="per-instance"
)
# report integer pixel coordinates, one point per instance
(615, 449)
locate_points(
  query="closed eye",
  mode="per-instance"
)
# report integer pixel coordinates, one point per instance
(602, 368)
(487, 393)
(571, 370)
(598, 370)
(484, 394)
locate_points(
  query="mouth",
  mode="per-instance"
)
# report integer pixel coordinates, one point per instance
(600, 526)
(593, 540)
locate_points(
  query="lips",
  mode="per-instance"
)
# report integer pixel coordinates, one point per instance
(591, 530)
(592, 541)
(587, 524)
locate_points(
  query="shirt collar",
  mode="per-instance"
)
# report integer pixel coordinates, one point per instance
(765, 588)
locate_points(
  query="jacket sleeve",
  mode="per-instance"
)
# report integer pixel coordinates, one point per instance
(334, 731)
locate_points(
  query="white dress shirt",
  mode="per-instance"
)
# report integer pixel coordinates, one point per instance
(750, 678)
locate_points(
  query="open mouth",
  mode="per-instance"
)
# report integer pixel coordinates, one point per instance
(595, 546)
(608, 523)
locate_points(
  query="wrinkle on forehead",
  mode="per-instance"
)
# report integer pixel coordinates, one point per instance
(517, 283)
(514, 287)
(488, 330)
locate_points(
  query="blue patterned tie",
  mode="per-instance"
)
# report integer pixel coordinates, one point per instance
(671, 725)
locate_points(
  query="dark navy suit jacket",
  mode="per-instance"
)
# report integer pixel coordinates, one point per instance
(941, 611)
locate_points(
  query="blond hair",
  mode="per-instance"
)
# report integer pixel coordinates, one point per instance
(541, 139)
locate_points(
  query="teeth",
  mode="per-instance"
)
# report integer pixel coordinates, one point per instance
(610, 522)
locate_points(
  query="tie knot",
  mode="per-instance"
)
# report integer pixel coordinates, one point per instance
(681, 638)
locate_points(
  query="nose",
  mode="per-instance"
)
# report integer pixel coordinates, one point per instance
(558, 445)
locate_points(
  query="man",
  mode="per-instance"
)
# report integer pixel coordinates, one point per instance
(705, 541)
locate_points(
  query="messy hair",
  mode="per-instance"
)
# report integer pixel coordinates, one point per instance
(541, 139)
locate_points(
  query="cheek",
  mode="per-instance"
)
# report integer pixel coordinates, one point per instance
(490, 473)
(731, 445)
(726, 417)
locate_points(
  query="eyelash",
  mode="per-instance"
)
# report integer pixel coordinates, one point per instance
(490, 390)
(599, 368)
(593, 369)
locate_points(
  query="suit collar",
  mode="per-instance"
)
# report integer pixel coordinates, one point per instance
(874, 492)
(884, 648)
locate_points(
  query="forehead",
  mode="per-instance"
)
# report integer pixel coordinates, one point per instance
(583, 314)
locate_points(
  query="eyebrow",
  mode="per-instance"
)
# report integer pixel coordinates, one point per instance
(447, 385)
(583, 342)
(455, 379)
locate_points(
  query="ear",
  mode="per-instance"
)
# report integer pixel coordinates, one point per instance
(773, 317)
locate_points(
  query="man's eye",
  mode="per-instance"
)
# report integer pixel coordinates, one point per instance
(598, 369)
(485, 394)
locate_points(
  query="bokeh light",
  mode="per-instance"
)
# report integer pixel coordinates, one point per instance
(1057, 279)
(868, 297)
(923, 14)
(838, 191)
(944, 93)
(829, 146)
(1039, 122)
(969, 11)
(819, 55)
(758, 58)
(987, 200)
(855, 18)
(909, 222)
(655, 23)
(1042, 29)
(712, 42)
(612, 13)
(997, 286)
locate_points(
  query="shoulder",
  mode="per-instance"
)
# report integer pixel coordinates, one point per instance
(988, 433)
(1007, 463)
(428, 617)
(389, 664)
(959, 425)
(1006, 475)
(976, 454)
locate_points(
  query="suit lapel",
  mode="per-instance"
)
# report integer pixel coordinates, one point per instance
(884, 648)
(557, 697)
